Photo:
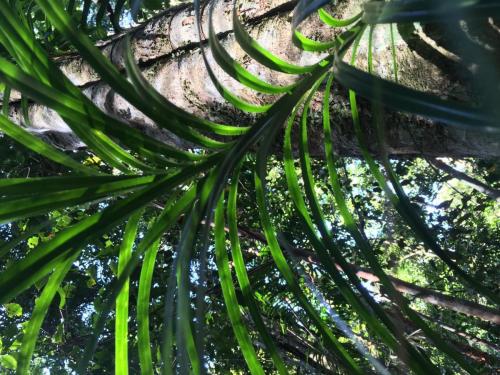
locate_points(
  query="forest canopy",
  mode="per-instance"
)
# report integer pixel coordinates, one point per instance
(262, 187)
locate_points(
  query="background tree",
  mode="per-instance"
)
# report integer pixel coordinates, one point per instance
(352, 264)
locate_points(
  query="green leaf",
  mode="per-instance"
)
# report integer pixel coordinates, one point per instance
(30, 203)
(229, 294)
(33, 242)
(200, 178)
(37, 264)
(181, 116)
(13, 310)
(225, 93)
(51, 78)
(405, 351)
(187, 349)
(339, 41)
(243, 280)
(62, 297)
(235, 69)
(400, 201)
(122, 300)
(325, 245)
(168, 217)
(58, 337)
(304, 8)
(334, 22)
(76, 116)
(330, 340)
(143, 302)
(177, 118)
(367, 249)
(42, 304)
(109, 72)
(260, 54)
(8, 361)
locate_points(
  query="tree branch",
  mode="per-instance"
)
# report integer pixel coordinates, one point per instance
(428, 295)
(472, 182)
(459, 305)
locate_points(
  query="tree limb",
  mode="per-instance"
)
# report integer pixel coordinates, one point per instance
(472, 182)
(428, 295)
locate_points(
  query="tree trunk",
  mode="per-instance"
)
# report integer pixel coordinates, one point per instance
(167, 51)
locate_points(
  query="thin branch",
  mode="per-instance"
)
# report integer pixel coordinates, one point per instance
(469, 338)
(472, 182)
(428, 295)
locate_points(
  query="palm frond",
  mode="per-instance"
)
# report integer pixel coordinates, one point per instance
(198, 191)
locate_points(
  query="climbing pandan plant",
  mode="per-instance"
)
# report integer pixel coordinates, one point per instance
(137, 188)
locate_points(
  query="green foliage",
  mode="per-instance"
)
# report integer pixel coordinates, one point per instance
(83, 232)
(8, 362)
(13, 310)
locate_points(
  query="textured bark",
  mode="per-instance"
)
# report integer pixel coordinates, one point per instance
(169, 56)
